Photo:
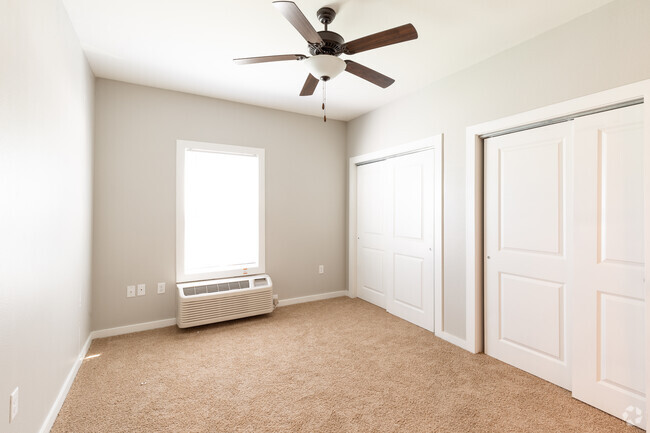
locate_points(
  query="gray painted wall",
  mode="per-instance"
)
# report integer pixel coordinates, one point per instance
(601, 50)
(136, 129)
(46, 108)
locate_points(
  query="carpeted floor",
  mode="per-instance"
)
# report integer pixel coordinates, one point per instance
(340, 365)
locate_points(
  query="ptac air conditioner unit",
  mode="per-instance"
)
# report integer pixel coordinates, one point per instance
(204, 302)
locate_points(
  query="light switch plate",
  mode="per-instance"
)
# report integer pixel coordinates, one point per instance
(141, 289)
(130, 291)
(161, 288)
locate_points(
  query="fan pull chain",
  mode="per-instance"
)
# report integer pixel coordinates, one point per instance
(324, 101)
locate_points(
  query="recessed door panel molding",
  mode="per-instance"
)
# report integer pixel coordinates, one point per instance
(408, 201)
(530, 306)
(531, 208)
(408, 278)
(527, 230)
(620, 175)
(621, 343)
(372, 268)
(371, 213)
(609, 291)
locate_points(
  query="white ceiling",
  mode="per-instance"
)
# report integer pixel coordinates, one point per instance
(188, 45)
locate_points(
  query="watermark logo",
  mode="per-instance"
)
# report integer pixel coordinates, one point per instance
(633, 416)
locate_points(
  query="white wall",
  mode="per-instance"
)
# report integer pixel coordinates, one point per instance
(46, 97)
(135, 194)
(603, 49)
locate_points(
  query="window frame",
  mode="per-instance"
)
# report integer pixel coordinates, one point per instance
(181, 147)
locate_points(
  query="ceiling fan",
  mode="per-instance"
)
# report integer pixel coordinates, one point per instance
(326, 46)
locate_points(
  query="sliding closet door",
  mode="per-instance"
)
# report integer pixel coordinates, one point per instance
(395, 236)
(527, 251)
(609, 320)
(564, 231)
(372, 213)
(410, 263)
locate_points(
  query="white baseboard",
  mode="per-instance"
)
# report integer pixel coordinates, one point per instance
(312, 298)
(63, 393)
(110, 332)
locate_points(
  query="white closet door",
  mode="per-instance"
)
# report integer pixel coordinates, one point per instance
(395, 236)
(527, 265)
(410, 264)
(608, 306)
(372, 183)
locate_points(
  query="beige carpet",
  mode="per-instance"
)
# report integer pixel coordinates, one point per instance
(340, 365)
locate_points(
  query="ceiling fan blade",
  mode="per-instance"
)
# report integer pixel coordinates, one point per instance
(388, 37)
(264, 59)
(368, 74)
(310, 86)
(297, 19)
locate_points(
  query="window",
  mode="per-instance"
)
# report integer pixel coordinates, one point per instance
(219, 211)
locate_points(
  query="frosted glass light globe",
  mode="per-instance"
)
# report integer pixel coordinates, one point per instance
(324, 65)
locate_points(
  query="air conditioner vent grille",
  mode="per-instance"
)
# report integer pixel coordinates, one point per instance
(221, 287)
(218, 300)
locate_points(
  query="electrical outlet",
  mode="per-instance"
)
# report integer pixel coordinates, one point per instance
(13, 405)
(141, 289)
(130, 291)
(321, 269)
(161, 288)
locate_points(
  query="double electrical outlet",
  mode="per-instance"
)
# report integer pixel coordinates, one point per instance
(141, 290)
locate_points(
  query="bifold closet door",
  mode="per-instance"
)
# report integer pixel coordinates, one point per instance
(609, 305)
(395, 236)
(527, 232)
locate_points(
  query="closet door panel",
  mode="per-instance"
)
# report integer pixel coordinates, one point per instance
(609, 302)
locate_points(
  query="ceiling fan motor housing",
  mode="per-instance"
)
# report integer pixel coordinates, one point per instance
(332, 44)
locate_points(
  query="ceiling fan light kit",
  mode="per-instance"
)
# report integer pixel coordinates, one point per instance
(324, 66)
(326, 46)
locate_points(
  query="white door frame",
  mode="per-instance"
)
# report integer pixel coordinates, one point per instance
(434, 143)
(473, 341)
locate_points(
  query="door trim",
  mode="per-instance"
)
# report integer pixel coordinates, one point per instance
(436, 143)
(473, 340)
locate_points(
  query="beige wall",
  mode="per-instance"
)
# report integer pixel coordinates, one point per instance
(604, 49)
(46, 98)
(136, 129)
